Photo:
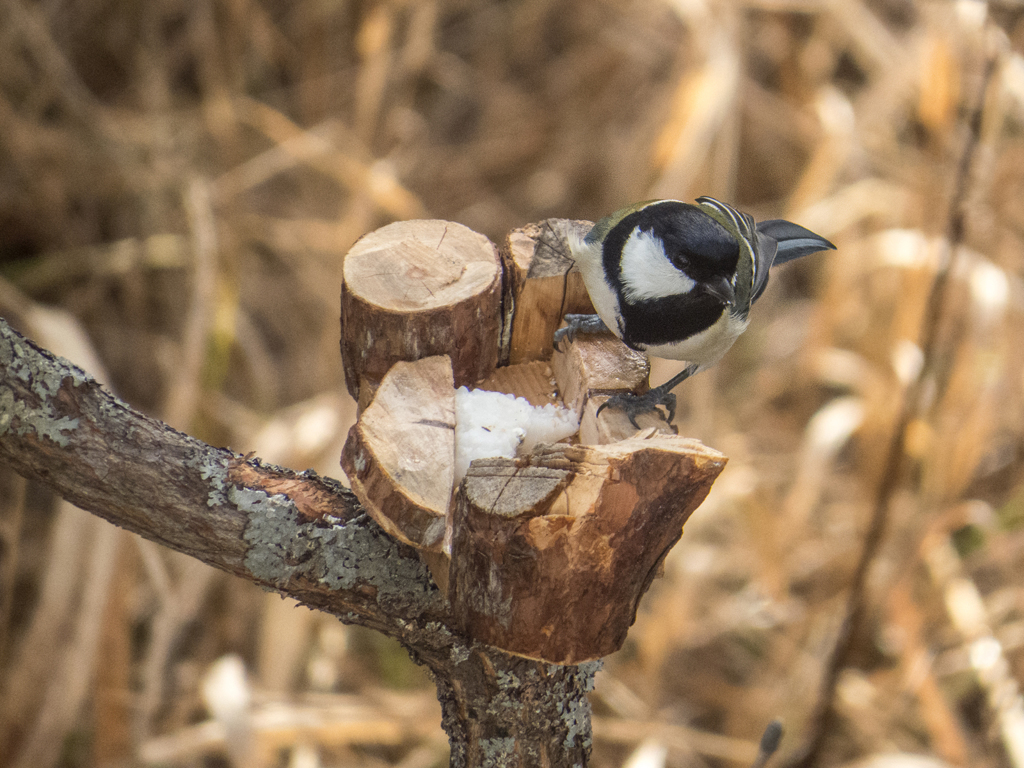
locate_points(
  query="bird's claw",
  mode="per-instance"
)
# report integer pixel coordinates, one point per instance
(578, 324)
(564, 333)
(633, 405)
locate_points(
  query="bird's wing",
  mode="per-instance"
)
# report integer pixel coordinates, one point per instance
(751, 269)
(767, 254)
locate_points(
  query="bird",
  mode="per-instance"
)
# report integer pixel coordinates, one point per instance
(676, 280)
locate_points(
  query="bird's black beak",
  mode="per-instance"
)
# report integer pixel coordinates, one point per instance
(721, 289)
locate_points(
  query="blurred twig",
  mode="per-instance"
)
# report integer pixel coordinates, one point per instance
(29, 22)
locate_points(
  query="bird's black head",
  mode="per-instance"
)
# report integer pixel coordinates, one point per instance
(655, 306)
(694, 242)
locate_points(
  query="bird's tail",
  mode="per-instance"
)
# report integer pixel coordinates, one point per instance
(794, 241)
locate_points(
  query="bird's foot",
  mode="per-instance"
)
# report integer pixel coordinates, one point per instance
(633, 405)
(579, 324)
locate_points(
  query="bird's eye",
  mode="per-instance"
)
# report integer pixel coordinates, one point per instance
(679, 259)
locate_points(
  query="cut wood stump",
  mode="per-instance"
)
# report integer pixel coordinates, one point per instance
(541, 287)
(400, 455)
(548, 554)
(415, 289)
(552, 552)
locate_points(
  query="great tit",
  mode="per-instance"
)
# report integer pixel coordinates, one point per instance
(676, 280)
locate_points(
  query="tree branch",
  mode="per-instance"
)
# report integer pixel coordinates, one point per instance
(296, 533)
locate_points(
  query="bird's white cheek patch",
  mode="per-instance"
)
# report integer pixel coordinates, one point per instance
(646, 271)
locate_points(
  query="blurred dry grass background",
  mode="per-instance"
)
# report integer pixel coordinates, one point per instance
(179, 182)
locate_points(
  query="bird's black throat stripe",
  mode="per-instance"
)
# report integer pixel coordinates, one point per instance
(668, 319)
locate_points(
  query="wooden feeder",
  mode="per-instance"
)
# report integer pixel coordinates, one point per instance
(545, 555)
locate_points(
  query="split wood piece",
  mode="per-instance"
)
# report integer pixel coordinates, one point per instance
(540, 288)
(400, 455)
(552, 552)
(414, 289)
(591, 368)
(597, 363)
(533, 381)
